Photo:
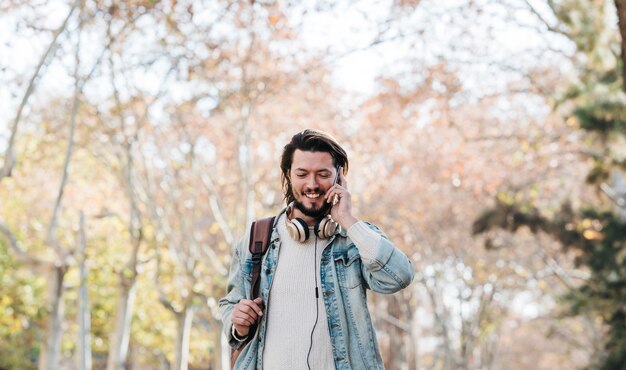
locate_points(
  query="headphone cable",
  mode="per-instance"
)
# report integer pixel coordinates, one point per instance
(316, 304)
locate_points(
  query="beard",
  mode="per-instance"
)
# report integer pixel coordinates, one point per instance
(316, 213)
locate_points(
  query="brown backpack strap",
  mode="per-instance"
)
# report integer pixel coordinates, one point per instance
(260, 234)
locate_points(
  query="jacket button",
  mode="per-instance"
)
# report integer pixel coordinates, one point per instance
(267, 271)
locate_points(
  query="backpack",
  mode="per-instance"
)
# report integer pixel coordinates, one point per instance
(260, 234)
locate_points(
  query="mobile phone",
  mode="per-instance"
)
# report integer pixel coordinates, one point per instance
(336, 198)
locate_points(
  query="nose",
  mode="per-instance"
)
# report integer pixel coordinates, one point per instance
(311, 182)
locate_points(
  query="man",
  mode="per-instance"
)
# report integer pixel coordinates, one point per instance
(312, 312)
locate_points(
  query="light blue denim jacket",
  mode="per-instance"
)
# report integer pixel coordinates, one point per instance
(344, 280)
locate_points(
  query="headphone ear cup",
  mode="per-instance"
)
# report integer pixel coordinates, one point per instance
(298, 229)
(325, 228)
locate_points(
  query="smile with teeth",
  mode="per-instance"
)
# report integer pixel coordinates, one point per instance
(312, 195)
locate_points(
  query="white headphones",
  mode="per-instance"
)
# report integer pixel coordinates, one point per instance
(299, 230)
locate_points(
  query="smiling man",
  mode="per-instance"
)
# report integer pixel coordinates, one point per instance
(312, 311)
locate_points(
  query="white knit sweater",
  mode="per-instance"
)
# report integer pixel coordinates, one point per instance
(291, 310)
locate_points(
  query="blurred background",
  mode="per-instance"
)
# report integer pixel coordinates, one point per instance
(486, 137)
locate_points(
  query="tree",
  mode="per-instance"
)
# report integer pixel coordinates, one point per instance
(594, 227)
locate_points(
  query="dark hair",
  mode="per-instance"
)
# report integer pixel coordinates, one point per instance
(310, 141)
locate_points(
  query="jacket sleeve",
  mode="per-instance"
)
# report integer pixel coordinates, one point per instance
(234, 293)
(390, 271)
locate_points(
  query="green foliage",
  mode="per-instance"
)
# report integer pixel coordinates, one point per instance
(616, 347)
(599, 240)
(20, 314)
(14, 356)
(598, 173)
(602, 116)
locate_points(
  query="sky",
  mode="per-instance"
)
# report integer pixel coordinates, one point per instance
(475, 38)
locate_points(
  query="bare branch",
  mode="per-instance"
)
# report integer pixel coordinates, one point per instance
(134, 223)
(21, 254)
(216, 208)
(618, 199)
(406, 327)
(9, 156)
(51, 234)
(545, 21)
(166, 302)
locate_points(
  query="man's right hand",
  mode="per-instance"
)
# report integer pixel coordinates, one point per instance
(245, 313)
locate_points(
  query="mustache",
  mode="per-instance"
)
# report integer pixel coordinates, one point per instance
(316, 191)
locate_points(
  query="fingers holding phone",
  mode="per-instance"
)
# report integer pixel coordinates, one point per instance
(340, 197)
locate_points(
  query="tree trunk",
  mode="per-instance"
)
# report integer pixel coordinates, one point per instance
(120, 336)
(183, 331)
(225, 353)
(412, 345)
(216, 332)
(51, 349)
(411, 332)
(84, 317)
(619, 189)
(395, 340)
(245, 164)
(621, 21)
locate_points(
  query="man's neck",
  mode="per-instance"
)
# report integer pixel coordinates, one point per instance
(308, 219)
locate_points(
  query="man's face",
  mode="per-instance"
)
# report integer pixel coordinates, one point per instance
(312, 174)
